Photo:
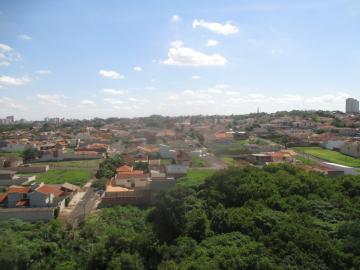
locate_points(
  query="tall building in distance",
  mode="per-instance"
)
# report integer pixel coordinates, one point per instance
(352, 105)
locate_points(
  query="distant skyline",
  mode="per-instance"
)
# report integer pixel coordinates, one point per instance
(86, 59)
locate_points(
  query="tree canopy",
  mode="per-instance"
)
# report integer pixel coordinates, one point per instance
(279, 217)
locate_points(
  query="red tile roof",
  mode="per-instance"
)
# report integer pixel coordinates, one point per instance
(18, 189)
(3, 197)
(124, 168)
(46, 189)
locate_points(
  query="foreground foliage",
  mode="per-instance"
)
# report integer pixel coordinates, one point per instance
(276, 218)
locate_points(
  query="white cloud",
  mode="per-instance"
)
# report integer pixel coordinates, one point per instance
(51, 99)
(222, 86)
(175, 18)
(42, 72)
(8, 55)
(182, 56)
(276, 52)
(24, 37)
(13, 81)
(111, 74)
(218, 28)
(87, 102)
(5, 48)
(195, 77)
(114, 91)
(211, 43)
(137, 69)
(113, 101)
(9, 103)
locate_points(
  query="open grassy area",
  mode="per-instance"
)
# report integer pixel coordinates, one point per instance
(76, 177)
(229, 161)
(90, 164)
(235, 148)
(198, 162)
(10, 154)
(166, 162)
(329, 155)
(194, 177)
(305, 161)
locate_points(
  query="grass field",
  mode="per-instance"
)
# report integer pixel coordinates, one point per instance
(57, 176)
(198, 162)
(329, 155)
(10, 154)
(194, 177)
(90, 164)
(229, 161)
(305, 161)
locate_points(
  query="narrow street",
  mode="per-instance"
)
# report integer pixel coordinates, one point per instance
(80, 206)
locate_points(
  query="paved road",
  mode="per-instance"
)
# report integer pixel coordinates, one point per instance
(83, 207)
(80, 206)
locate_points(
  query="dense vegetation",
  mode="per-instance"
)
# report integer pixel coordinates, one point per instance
(277, 218)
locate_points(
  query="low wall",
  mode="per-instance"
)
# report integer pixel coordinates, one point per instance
(10, 182)
(27, 214)
(29, 169)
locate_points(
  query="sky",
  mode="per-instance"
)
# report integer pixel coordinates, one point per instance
(85, 59)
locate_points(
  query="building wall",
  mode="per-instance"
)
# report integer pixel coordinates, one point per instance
(38, 199)
(27, 214)
(29, 169)
(9, 182)
(13, 198)
(333, 144)
(351, 149)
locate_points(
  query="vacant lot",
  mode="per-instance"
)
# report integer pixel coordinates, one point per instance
(76, 177)
(194, 177)
(331, 156)
(88, 164)
(198, 162)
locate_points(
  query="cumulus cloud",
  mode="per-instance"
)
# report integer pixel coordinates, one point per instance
(218, 28)
(87, 103)
(137, 69)
(8, 55)
(9, 103)
(114, 91)
(42, 72)
(51, 99)
(13, 81)
(211, 43)
(175, 18)
(24, 37)
(182, 56)
(113, 101)
(111, 74)
(195, 77)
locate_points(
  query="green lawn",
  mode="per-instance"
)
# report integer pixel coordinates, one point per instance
(194, 177)
(166, 161)
(229, 161)
(305, 161)
(198, 162)
(329, 155)
(90, 164)
(76, 177)
(10, 154)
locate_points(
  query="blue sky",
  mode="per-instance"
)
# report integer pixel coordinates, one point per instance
(84, 59)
